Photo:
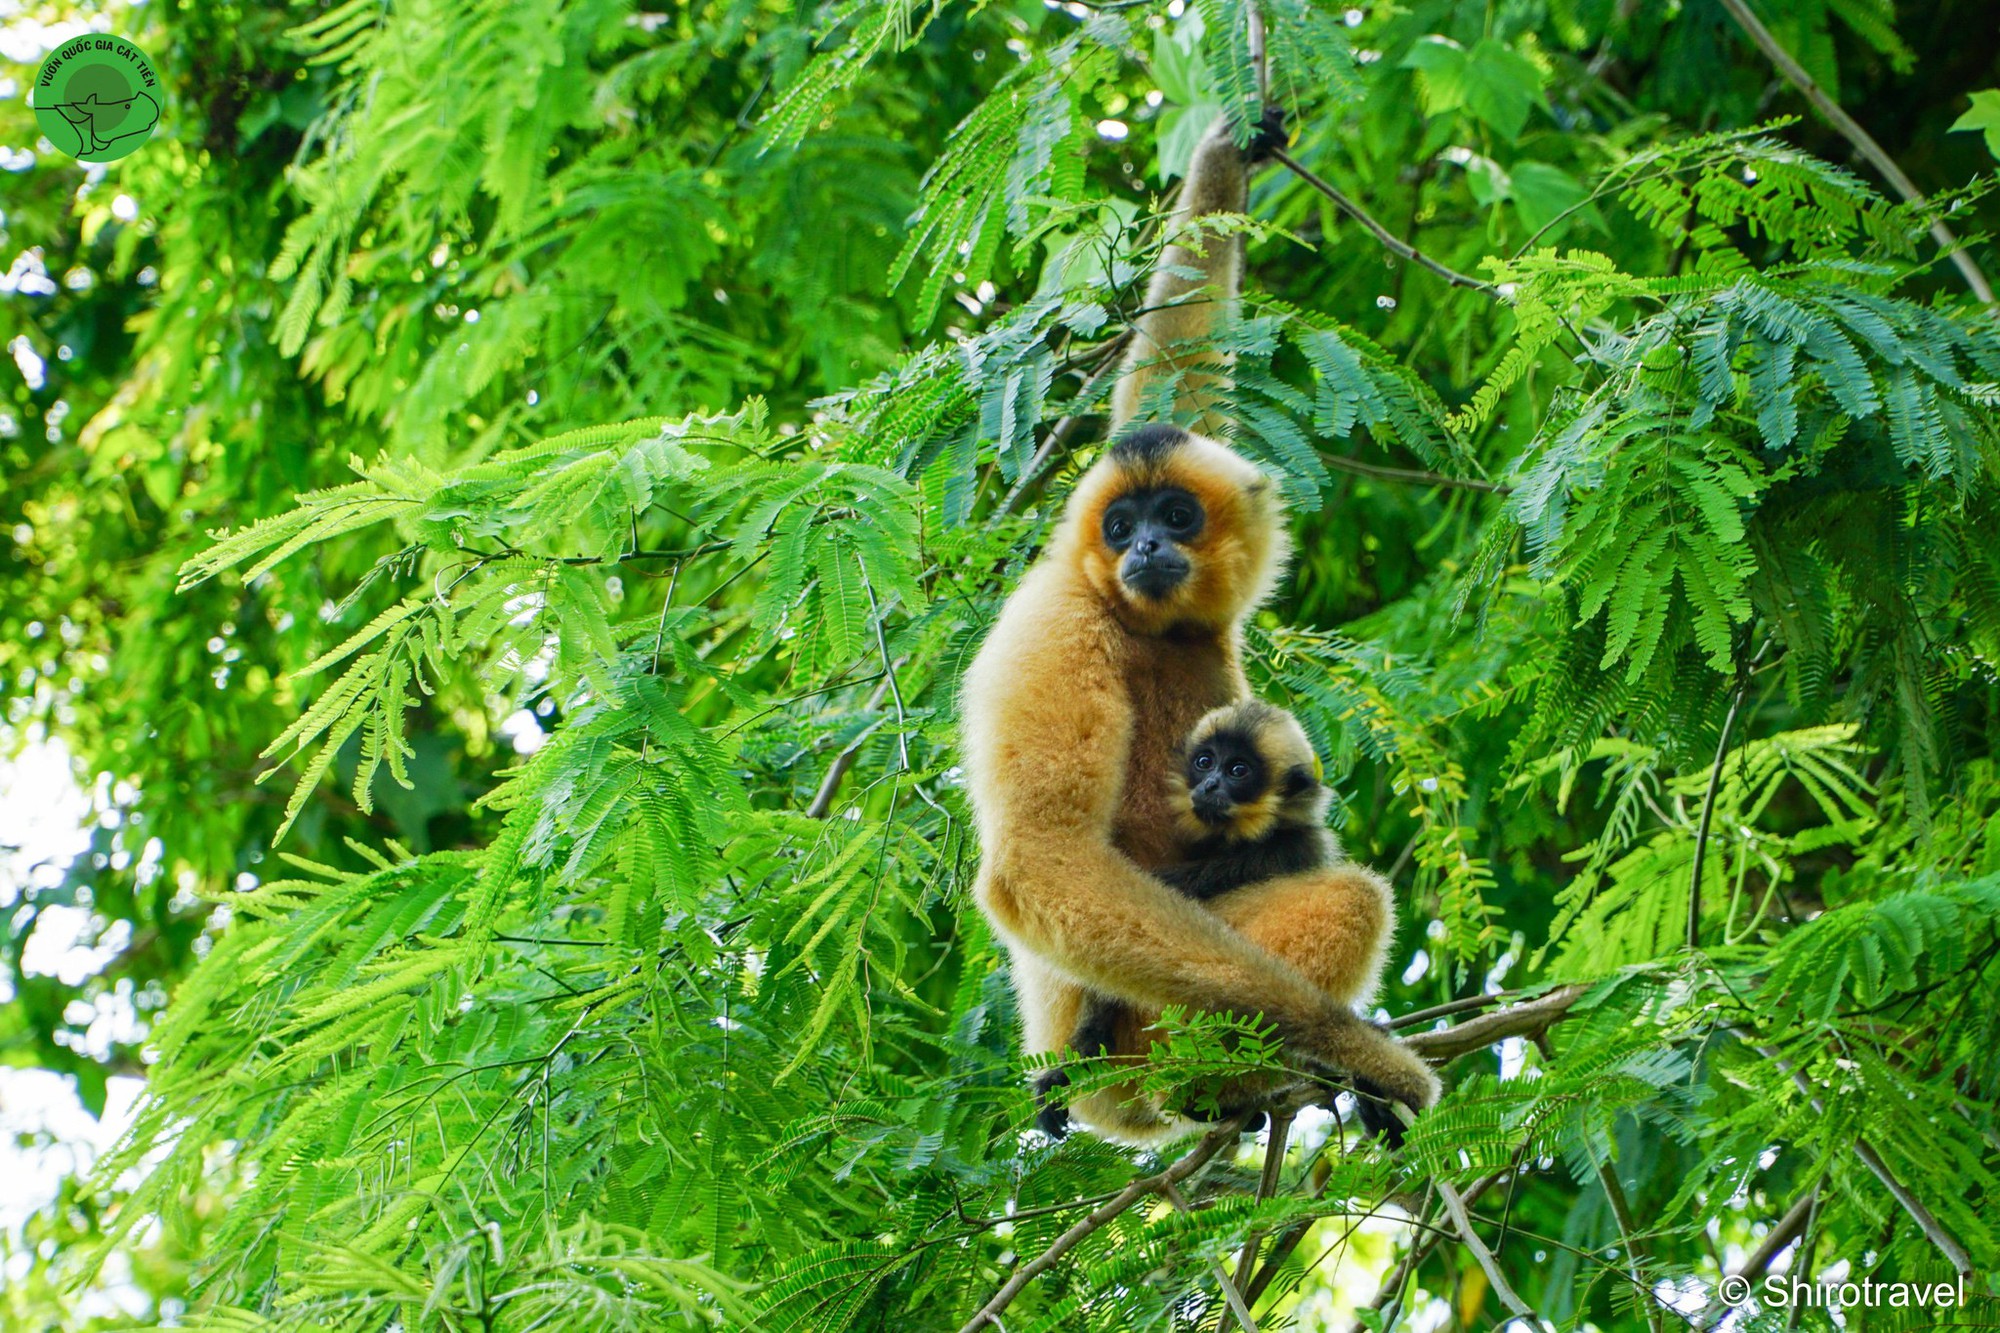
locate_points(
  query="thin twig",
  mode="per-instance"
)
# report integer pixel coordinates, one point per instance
(1428, 1238)
(1211, 1143)
(1947, 1244)
(1454, 1203)
(1111, 357)
(1419, 1016)
(1341, 463)
(619, 558)
(1395, 244)
(1864, 143)
(1229, 1291)
(829, 786)
(1621, 1212)
(1628, 1230)
(1802, 1262)
(1743, 676)
(1267, 1185)
(1288, 1239)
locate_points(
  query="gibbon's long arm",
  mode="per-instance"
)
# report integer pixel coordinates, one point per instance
(1180, 312)
(1048, 740)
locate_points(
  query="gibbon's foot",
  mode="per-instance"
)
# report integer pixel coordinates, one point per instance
(1378, 1114)
(1214, 1113)
(1401, 1077)
(1254, 1125)
(1267, 134)
(1051, 1113)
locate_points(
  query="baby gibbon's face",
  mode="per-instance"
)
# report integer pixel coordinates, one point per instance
(1224, 771)
(1246, 769)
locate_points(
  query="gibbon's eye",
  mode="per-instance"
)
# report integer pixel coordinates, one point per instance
(1204, 761)
(1118, 529)
(1179, 513)
(1239, 770)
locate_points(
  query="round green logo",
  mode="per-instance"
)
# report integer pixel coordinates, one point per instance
(97, 97)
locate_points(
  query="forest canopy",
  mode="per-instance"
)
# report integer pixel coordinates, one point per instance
(499, 496)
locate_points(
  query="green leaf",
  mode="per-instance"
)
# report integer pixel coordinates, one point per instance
(1441, 64)
(1544, 193)
(1501, 86)
(1180, 131)
(1984, 116)
(1178, 65)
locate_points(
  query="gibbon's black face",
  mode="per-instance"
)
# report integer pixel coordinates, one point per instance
(1148, 528)
(1223, 772)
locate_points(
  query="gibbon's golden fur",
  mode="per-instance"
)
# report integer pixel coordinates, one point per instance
(1118, 640)
(1182, 309)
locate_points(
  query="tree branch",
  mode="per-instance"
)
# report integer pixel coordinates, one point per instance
(1211, 1143)
(1782, 1233)
(829, 786)
(1112, 356)
(1267, 1185)
(1288, 1239)
(1393, 243)
(1526, 1019)
(1947, 1244)
(1628, 1231)
(1521, 1020)
(1229, 1291)
(1864, 143)
(1454, 1204)
(1621, 1212)
(1421, 1245)
(1253, 21)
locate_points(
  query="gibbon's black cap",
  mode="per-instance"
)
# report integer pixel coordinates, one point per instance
(1234, 738)
(1149, 444)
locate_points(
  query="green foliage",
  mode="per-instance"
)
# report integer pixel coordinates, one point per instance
(1983, 116)
(572, 452)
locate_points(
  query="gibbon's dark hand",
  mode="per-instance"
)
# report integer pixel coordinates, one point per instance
(1380, 1111)
(1268, 134)
(1051, 1114)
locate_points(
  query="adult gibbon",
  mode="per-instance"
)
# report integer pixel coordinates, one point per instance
(1121, 637)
